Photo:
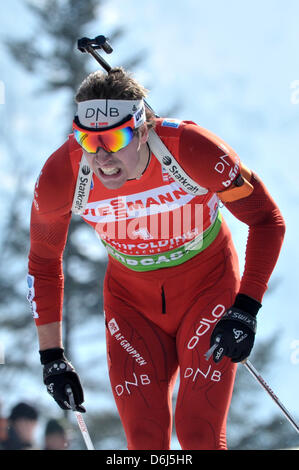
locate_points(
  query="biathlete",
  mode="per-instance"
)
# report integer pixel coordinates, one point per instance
(172, 286)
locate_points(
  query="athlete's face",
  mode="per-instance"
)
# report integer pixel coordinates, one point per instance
(114, 169)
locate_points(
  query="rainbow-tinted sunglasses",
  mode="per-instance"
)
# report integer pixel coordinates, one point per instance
(112, 139)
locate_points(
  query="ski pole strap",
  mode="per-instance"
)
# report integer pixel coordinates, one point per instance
(241, 316)
(172, 166)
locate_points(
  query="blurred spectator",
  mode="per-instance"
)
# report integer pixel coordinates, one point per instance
(22, 424)
(56, 435)
(3, 427)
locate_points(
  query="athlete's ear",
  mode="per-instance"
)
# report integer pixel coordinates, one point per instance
(143, 133)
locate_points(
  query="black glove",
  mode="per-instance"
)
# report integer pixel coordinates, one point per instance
(58, 373)
(235, 331)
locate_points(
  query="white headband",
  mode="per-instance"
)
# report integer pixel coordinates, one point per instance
(105, 113)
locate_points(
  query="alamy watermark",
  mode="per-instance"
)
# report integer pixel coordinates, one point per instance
(138, 223)
(2, 92)
(295, 93)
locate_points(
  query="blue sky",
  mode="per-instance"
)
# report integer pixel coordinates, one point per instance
(229, 66)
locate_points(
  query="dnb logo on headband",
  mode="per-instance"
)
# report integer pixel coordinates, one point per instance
(105, 113)
(97, 113)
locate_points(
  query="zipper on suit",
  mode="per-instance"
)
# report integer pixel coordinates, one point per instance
(163, 301)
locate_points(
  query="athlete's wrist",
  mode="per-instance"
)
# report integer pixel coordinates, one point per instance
(247, 304)
(51, 354)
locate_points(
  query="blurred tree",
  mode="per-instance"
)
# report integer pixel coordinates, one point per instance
(13, 259)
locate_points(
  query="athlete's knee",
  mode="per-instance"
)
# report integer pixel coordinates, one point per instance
(147, 435)
(196, 433)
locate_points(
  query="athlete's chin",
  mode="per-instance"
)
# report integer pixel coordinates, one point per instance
(113, 184)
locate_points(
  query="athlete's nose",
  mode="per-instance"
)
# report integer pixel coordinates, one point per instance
(101, 156)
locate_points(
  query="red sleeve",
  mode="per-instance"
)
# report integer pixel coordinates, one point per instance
(266, 233)
(208, 159)
(50, 217)
(217, 167)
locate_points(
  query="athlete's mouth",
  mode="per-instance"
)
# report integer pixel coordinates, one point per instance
(109, 171)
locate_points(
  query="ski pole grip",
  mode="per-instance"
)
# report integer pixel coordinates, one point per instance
(209, 353)
(71, 397)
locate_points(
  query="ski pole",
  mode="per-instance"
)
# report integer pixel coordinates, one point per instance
(266, 387)
(247, 364)
(80, 420)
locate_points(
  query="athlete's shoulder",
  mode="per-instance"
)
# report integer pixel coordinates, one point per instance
(189, 134)
(169, 130)
(206, 158)
(169, 127)
(55, 185)
(213, 163)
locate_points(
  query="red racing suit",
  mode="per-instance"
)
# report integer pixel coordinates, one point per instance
(172, 273)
